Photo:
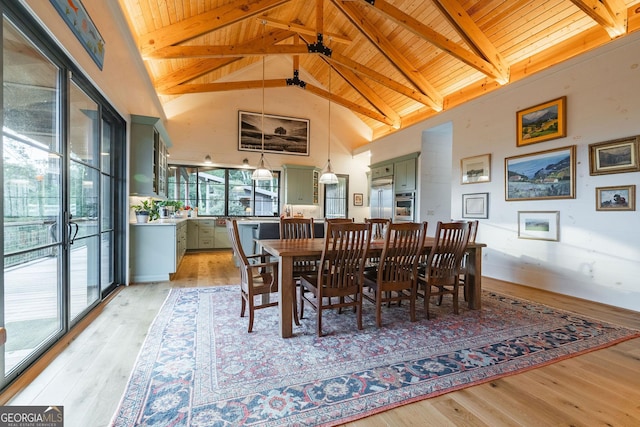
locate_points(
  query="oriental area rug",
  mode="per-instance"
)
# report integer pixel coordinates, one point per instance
(199, 367)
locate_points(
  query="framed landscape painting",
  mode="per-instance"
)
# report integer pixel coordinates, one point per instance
(542, 122)
(618, 198)
(539, 225)
(476, 169)
(543, 175)
(283, 135)
(617, 156)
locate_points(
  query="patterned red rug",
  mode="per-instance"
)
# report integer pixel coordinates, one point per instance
(199, 367)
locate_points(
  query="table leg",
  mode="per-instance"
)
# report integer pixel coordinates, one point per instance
(285, 296)
(474, 277)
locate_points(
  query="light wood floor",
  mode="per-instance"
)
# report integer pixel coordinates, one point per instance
(599, 388)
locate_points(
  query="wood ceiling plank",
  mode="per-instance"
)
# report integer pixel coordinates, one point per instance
(442, 42)
(396, 58)
(199, 67)
(204, 22)
(610, 14)
(474, 37)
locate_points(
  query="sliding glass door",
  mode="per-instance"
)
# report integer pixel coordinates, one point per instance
(59, 233)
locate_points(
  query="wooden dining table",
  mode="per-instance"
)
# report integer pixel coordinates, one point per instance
(287, 250)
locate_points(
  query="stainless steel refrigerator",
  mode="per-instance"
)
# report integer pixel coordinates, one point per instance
(381, 200)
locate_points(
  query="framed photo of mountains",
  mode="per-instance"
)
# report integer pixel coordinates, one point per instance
(617, 156)
(542, 122)
(543, 175)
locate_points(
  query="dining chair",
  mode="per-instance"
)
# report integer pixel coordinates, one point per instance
(258, 278)
(464, 273)
(340, 272)
(378, 227)
(378, 230)
(299, 228)
(397, 273)
(440, 274)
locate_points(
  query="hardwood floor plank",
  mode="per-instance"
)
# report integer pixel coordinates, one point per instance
(599, 388)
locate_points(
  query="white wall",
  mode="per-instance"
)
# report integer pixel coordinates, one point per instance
(598, 254)
(207, 123)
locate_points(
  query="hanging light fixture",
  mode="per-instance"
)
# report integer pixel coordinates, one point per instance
(262, 173)
(207, 159)
(328, 176)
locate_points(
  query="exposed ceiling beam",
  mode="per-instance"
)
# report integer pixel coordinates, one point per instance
(380, 78)
(199, 67)
(609, 14)
(496, 71)
(368, 93)
(203, 23)
(301, 29)
(473, 36)
(395, 57)
(226, 51)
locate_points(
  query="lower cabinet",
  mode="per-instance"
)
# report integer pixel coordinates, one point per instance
(156, 250)
(203, 234)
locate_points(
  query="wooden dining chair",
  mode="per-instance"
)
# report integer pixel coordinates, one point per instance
(440, 274)
(464, 273)
(299, 228)
(397, 273)
(258, 278)
(378, 227)
(340, 272)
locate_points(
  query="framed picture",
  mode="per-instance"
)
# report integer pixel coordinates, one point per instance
(476, 169)
(617, 156)
(283, 135)
(475, 205)
(618, 198)
(542, 122)
(539, 225)
(358, 199)
(546, 174)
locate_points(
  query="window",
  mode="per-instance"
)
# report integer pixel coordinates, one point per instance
(224, 192)
(336, 198)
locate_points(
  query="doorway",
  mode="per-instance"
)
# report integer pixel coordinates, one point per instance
(59, 170)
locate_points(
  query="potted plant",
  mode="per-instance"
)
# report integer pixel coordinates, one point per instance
(144, 211)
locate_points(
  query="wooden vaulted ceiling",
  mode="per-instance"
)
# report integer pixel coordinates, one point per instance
(394, 62)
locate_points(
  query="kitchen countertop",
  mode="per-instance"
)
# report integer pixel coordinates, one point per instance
(174, 221)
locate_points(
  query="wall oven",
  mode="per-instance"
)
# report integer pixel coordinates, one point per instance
(404, 207)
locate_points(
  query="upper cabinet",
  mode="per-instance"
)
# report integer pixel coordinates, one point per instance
(149, 142)
(300, 185)
(382, 171)
(404, 175)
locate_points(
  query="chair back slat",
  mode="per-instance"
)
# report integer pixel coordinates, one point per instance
(344, 256)
(296, 228)
(444, 259)
(400, 254)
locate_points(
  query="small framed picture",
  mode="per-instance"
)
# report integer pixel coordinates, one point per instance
(358, 199)
(475, 205)
(539, 225)
(542, 122)
(476, 169)
(617, 156)
(618, 198)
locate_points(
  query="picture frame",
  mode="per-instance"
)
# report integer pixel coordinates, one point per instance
(616, 156)
(616, 198)
(548, 174)
(83, 27)
(475, 169)
(358, 199)
(282, 135)
(475, 205)
(542, 122)
(539, 225)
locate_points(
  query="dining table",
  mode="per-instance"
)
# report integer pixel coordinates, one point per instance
(287, 250)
